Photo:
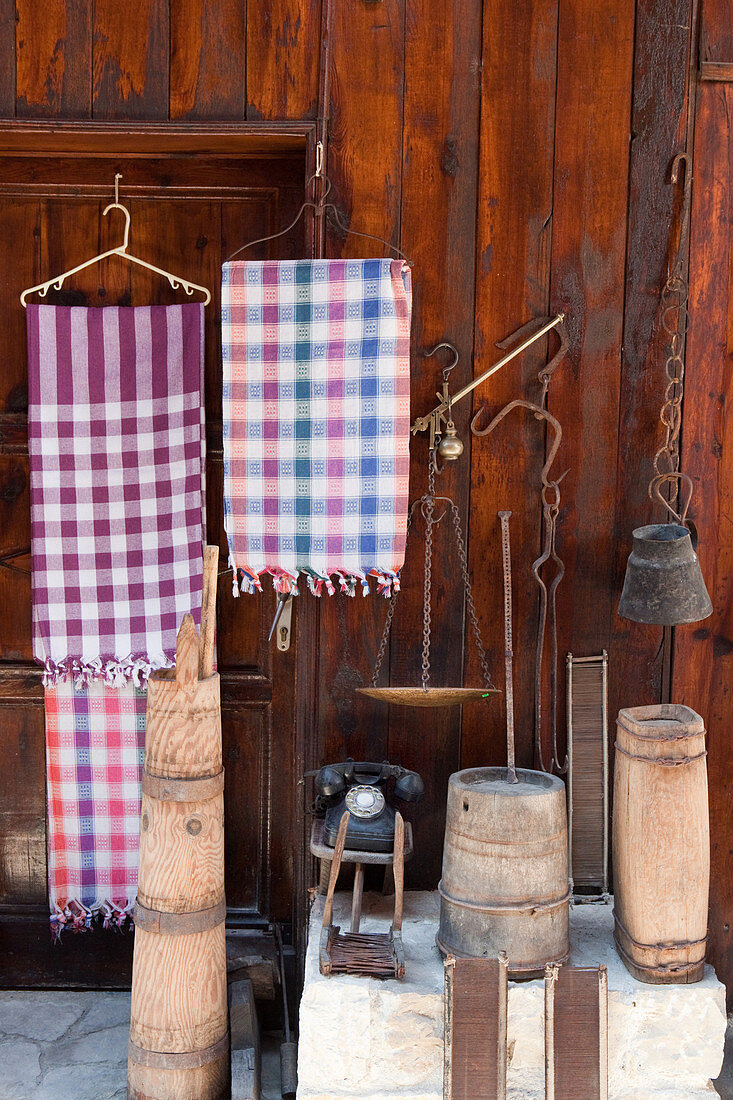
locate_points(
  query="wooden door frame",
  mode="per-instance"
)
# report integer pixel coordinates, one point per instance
(29, 955)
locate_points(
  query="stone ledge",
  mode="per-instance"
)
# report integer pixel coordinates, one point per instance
(365, 1039)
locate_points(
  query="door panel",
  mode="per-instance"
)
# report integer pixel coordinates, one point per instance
(187, 213)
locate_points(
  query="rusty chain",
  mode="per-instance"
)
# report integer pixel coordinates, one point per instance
(426, 503)
(675, 322)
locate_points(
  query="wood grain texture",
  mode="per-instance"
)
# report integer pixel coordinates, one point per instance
(661, 843)
(23, 807)
(207, 59)
(658, 127)
(130, 60)
(514, 223)
(716, 31)
(282, 58)
(54, 59)
(440, 157)
(703, 653)
(183, 726)
(20, 229)
(179, 995)
(506, 856)
(595, 59)
(577, 1055)
(8, 54)
(365, 166)
(209, 1082)
(477, 1015)
(181, 854)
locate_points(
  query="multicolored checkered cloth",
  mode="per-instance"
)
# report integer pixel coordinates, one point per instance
(116, 441)
(316, 414)
(95, 742)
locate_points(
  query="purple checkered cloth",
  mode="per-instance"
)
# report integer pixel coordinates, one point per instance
(117, 449)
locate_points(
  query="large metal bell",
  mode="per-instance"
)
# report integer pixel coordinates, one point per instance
(663, 583)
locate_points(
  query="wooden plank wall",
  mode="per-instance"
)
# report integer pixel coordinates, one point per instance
(703, 653)
(519, 153)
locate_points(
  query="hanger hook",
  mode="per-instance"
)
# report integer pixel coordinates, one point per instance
(118, 206)
(451, 347)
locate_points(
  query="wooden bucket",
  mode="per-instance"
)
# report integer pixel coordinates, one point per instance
(179, 1048)
(661, 843)
(505, 869)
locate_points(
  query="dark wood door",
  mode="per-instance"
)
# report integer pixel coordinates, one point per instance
(189, 210)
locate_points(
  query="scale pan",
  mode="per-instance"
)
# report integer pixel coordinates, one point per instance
(433, 697)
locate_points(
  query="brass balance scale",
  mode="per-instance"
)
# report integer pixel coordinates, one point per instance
(445, 444)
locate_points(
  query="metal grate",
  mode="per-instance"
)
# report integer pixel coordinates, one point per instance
(588, 775)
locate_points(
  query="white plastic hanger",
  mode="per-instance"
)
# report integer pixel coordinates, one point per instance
(175, 281)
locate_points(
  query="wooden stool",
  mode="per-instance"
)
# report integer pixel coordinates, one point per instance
(378, 955)
(324, 852)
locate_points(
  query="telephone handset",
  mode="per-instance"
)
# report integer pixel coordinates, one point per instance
(360, 788)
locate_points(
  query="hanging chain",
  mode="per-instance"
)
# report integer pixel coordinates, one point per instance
(470, 604)
(675, 321)
(426, 503)
(428, 511)
(390, 615)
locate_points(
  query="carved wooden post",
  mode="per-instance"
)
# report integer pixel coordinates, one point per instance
(179, 1045)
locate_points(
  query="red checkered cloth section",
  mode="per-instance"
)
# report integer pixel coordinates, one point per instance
(95, 742)
(116, 441)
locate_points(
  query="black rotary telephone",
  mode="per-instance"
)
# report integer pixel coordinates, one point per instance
(360, 788)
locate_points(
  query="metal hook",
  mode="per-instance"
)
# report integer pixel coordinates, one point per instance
(451, 347)
(686, 160)
(117, 205)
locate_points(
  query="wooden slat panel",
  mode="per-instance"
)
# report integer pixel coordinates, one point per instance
(658, 126)
(588, 262)
(23, 807)
(207, 59)
(442, 54)
(244, 734)
(15, 540)
(130, 58)
(716, 70)
(54, 59)
(475, 1029)
(20, 230)
(365, 165)
(703, 652)
(282, 57)
(577, 1034)
(513, 237)
(716, 31)
(7, 52)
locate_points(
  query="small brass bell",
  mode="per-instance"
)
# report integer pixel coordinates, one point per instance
(450, 446)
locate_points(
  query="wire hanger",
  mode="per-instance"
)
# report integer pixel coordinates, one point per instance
(175, 281)
(320, 207)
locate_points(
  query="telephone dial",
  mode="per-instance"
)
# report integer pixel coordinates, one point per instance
(361, 788)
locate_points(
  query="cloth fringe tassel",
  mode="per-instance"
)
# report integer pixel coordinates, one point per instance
(74, 916)
(114, 673)
(286, 584)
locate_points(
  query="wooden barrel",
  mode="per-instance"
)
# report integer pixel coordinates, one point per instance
(661, 843)
(179, 1048)
(505, 869)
